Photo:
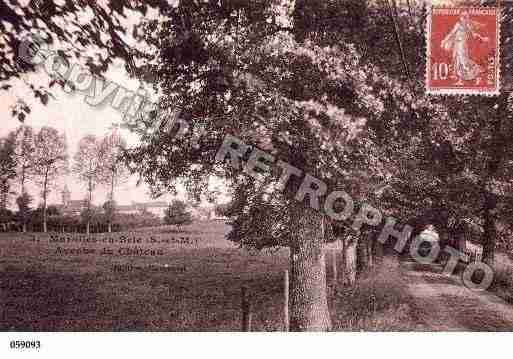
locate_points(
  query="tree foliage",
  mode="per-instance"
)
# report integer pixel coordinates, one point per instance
(90, 32)
(7, 169)
(113, 170)
(50, 162)
(89, 166)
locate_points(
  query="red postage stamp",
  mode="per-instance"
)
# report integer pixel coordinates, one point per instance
(463, 51)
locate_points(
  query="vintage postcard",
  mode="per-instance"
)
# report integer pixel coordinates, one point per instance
(463, 51)
(243, 166)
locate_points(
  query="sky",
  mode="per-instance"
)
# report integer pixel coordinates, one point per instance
(70, 114)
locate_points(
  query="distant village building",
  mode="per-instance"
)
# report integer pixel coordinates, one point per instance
(71, 207)
(157, 208)
(127, 209)
(201, 213)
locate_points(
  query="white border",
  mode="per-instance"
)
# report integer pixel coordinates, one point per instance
(463, 91)
(137, 345)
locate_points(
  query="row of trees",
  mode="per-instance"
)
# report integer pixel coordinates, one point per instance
(59, 221)
(99, 162)
(100, 219)
(97, 219)
(41, 158)
(27, 156)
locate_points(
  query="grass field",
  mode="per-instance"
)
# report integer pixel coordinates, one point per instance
(194, 285)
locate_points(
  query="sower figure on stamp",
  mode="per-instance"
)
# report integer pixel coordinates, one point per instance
(457, 41)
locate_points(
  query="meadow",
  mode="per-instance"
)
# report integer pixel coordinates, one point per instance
(60, 282)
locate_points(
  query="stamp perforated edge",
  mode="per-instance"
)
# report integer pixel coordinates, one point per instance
(463, 92)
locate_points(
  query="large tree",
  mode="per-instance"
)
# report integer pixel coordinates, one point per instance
(50, 162)
(88, 167)
(114, 170)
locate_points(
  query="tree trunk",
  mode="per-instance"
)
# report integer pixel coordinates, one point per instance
(45, 195)
(4, 188)
(362, 254)
(490, 231)
(462, 243)
(89, 205)
(112, 209)
(350, 260)
(23, 192)
(308, 292)
(458, 237)
(370, 252)
(500, 138)
(377, 251)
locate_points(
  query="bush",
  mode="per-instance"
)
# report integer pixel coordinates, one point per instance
(502, 284)
(176, 214)
(224, 210)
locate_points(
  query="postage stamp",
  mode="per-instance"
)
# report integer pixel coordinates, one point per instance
(463, 51)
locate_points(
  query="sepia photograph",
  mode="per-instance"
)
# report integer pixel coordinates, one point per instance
(255, 166)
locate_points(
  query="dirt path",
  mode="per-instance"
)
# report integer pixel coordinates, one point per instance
(443, 304)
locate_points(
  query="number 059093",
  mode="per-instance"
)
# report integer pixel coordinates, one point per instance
(25, 344)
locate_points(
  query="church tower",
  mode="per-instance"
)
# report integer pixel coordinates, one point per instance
(66, 196)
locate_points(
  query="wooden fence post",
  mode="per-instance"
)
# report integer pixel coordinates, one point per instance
(246, 311)
(286, 319)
